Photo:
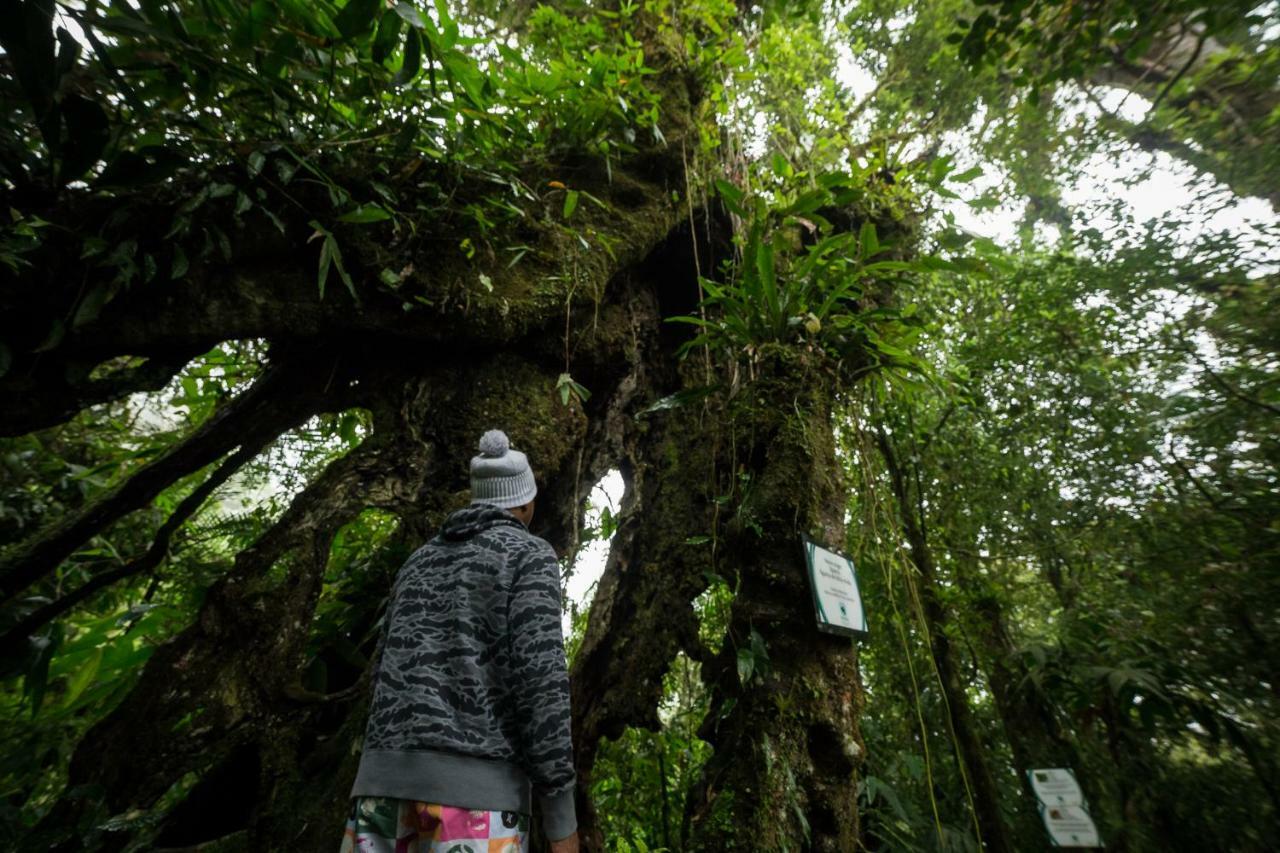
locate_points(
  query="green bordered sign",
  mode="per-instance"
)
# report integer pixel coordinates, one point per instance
(836, 598)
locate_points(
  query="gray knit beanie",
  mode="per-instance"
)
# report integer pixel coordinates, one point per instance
(500, 475)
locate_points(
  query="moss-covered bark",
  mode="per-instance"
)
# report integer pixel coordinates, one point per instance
(786, 737)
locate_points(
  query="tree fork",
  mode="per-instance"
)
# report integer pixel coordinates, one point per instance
(642, 613)
(238, 666)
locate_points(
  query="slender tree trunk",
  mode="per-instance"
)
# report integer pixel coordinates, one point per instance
(969, 747)
(1036, 736)
(1222, 123)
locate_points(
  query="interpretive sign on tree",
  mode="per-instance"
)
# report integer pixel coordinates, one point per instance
(837, 601)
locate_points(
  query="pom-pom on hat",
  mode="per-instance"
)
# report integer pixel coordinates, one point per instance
(499, 475)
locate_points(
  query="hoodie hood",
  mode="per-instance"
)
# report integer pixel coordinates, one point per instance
(466, 523)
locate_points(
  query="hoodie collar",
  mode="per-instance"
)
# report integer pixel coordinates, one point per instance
(469, 521)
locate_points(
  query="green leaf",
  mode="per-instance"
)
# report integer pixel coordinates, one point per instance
(570, 203)
(463, 71)
(92, 304)
(566, 386)
(357, 17)
(410, 15)
(180, 265)
(348, 429)
(732, 196)
(808, 202)
(412, 58)
(384, 43)
(889, 266)
(768, 283)
(680, 398)
(36, 678)
(257, 160)
(57, 331)
(746, 665)
(867, 240)
(326, 255)
(83, 677)
(364, 214)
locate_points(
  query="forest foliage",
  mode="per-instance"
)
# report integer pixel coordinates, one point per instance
(1057, 433)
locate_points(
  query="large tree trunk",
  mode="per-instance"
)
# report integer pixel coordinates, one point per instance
(728, 486)
(786, 735)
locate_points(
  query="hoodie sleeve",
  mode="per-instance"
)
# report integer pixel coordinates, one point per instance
(541, 686)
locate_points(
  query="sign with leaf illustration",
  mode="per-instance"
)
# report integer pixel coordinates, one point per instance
(837, 600)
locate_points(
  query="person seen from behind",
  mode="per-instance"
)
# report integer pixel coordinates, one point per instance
(470, 712)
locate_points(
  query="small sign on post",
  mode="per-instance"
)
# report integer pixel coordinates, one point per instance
(1056, 787)
(1069, 826)
(1062, 808)
(837, 601)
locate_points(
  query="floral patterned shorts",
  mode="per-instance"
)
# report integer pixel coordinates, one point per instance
(385, 825)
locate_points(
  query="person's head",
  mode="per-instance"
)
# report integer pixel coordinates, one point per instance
(501, 476)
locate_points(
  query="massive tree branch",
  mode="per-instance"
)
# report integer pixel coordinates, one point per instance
(269, 290)
(284, 396)
(151, 559)
(1217, 120)
(51, 392)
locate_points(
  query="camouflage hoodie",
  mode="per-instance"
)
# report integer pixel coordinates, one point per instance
(471, 697)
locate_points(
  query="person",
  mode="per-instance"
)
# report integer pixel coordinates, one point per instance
(470, 712)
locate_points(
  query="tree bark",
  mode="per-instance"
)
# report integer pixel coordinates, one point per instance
(786, 736)
(1036, 736)
(223, 700)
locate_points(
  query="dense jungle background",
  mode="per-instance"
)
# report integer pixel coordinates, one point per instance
(982, 294)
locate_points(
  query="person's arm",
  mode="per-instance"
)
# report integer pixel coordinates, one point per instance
(541, 689)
